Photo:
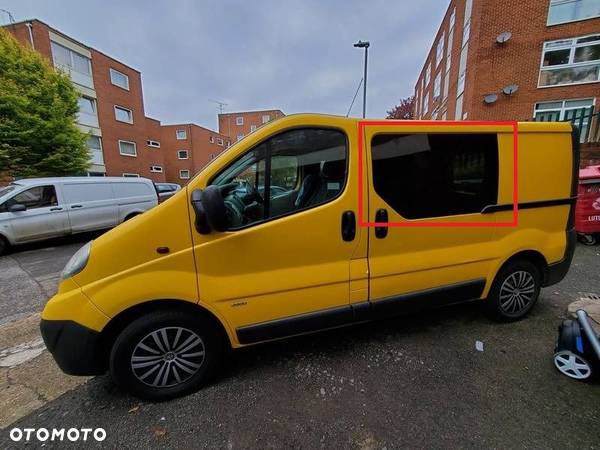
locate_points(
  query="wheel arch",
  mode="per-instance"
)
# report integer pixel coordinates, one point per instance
(110, 332)
(534, 256)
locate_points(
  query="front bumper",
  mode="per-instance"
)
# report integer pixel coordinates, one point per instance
(76, 349)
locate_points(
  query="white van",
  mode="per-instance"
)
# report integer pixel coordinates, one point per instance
(40, 208)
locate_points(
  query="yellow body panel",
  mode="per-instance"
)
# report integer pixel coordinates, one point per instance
(299, 264)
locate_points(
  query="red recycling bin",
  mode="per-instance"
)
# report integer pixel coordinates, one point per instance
(587, 211)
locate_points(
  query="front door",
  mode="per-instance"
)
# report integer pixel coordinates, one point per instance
(283, 267)
(422, 181)
(44, 217)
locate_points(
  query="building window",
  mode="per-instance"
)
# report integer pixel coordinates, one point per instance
(127, 148)
(562, 11)
(119, 79)
(446, 84)
(152, 143)
(184, 174)
(439, 51)
(252, 128)
(220, 142)
(156, 169)
(570, 61)
(123, 114)
(182, 154)
(436, 175)
(578, 110)
(211, 156)
(211, 139)
(87, 105)
(425, 107)
(265, 118)
(427, 75)
(437, 86)
(69, 59)
(131, 175)
(458, 113)
(181, 135)
(239, 120)
(94, 143)
(228, 143)
(452, 19)
(240, 137)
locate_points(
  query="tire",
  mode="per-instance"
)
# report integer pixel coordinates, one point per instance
(515, 291)
(159, 374)
(589, 239)
(4, 246)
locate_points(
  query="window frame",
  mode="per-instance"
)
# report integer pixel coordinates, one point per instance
(429, 219)
(11, 201)
(152, 143)
(184, 131)
(268, 154)
(71, 65)
(123, 108)
(130, 175)
(548, 24)
(239, 120)
(181, 177)
(127, 142)
(220, 141)
(115, 71)
(187, 154)
(571, 64)
(156, 169)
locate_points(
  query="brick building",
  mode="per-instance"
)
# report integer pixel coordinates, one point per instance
(122, 140)
(188, 148)
(239, 124)
(512, 60)
(111, 104)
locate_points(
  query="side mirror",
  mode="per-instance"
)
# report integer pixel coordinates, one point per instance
(201, 222)
(211, 199)
(17, 207)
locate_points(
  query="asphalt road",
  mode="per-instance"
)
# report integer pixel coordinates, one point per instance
(412, 382)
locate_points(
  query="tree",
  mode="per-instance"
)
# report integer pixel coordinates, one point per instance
(38, 108)
(405, 110)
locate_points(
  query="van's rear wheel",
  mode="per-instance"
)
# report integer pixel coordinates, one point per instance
(514, 291)
(166, 354)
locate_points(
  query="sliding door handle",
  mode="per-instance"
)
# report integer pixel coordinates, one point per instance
(76, 206)
(381, 216)
(348, 226)
(56, 208)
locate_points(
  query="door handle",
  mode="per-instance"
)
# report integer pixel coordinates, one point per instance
(348, 226)
(76, 206)
(381, 216)
(56, 208)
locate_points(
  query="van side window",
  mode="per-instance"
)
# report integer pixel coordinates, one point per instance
(435, 175)
(36, 197)
(292, 171)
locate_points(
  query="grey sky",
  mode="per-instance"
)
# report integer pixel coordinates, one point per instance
(293, 55)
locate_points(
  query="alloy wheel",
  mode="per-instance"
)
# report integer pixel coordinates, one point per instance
(517, 292)
(167, 357)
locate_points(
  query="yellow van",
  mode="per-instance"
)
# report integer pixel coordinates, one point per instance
(266, 242)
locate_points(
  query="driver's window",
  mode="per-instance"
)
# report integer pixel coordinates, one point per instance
(306, 167)
(36, 197)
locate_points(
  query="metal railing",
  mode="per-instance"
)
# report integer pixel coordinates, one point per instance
(587, 121)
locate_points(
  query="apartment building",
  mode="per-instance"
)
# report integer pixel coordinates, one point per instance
(239, 124)
(188, 148)
(122, 140)
(513, 60)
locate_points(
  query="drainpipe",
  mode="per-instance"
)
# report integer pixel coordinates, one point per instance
(29, 25)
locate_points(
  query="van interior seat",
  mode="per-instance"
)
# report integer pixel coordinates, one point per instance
(317, 188)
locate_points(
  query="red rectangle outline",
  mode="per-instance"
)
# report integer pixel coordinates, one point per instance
(362, 124)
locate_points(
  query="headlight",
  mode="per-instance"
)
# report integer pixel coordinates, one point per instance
(77, 262)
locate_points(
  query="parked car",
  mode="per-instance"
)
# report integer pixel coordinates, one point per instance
(159, 302)
(40, 208)
(166, 190)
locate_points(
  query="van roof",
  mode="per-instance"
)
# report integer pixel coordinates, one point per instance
(37, 181)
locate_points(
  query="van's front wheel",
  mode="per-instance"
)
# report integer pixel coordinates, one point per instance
(514, 291)
(166, 354)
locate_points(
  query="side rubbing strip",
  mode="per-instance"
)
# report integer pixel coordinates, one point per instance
(529, 205)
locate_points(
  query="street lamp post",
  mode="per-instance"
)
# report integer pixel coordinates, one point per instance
(365, 45)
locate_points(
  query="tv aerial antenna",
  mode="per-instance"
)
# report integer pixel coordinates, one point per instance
(11, 19)
(221, 105)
